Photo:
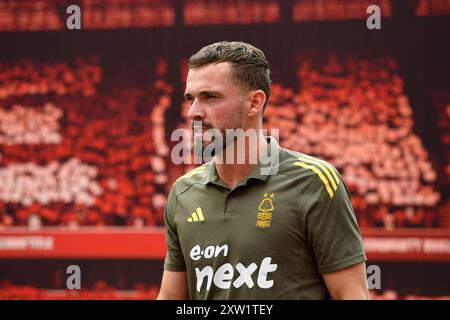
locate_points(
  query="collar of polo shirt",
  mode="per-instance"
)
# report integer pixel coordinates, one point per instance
(211, 175)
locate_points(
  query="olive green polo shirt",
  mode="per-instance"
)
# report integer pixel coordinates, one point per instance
(270, 237)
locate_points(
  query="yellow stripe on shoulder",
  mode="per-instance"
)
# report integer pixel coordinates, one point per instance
(326, 168)
(333, 171)
(193, 172)
(319, 173)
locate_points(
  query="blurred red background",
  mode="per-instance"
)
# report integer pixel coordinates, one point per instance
(86, 117)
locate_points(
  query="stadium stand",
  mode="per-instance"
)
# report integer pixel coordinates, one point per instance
(97, 168)
(201, 12)
(311, 10)
(37, 15)
(432, 7)
(100, 291)
(349, 110)
(84, 146)
(50, 15)
(354, 113)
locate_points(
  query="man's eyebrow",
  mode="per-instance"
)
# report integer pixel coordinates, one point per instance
(203, 93)
(210, 92)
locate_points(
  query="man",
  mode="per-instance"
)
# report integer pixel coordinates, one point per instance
(235, 233)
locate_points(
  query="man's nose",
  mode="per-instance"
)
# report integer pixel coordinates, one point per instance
(196, 111)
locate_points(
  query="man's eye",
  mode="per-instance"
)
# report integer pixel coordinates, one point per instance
(210, 97)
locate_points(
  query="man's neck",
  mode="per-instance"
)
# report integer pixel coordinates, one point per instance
(233, 173)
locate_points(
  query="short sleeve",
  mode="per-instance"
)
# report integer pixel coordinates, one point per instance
(333, 232)
(174, 260)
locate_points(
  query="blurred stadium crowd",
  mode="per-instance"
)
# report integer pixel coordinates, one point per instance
(76, 151)
(82, 148)
(32, 15)
(100, 291)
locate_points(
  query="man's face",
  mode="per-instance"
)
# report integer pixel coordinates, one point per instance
(216, 100)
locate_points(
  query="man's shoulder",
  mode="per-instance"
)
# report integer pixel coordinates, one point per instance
(298, 163)
(193, 176)
(312, 171)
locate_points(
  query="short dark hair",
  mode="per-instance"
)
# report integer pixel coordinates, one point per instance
(250, 66)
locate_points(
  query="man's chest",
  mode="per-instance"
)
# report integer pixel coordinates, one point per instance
(237, 226)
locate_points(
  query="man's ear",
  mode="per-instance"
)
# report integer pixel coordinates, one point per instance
(257, 100)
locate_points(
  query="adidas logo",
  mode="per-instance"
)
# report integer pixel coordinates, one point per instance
(197, 215)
